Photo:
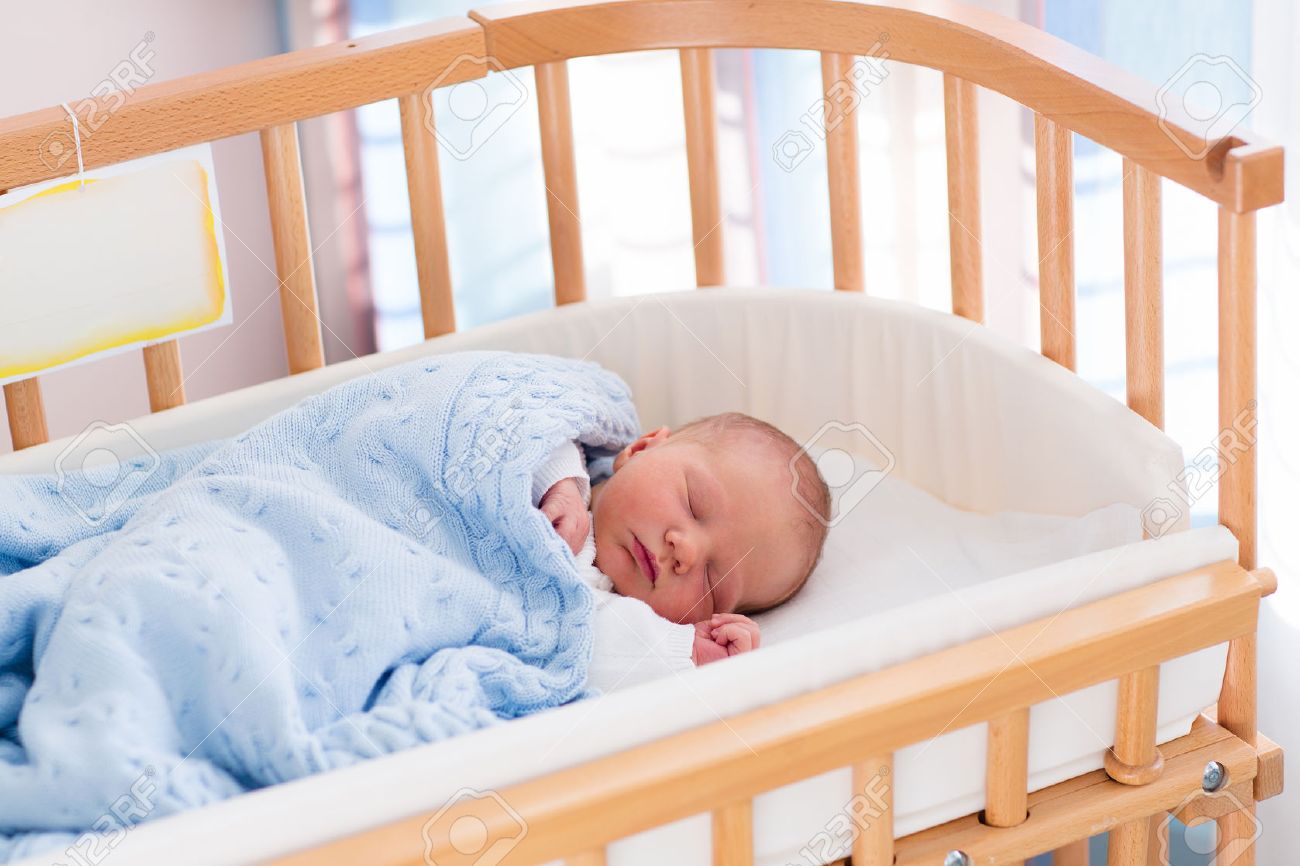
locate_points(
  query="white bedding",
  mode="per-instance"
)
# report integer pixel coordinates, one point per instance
(900, 545)
(969, 420)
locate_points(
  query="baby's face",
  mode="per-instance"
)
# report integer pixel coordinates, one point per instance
(694, 529)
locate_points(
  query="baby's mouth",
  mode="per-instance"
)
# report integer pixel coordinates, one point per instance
(649, 567)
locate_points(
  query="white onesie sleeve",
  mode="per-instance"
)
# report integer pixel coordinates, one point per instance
(632, 643)
(564, 462)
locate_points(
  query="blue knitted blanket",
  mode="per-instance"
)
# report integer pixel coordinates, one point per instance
(357, 575)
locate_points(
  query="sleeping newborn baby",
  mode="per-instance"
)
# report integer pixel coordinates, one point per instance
(695, 528)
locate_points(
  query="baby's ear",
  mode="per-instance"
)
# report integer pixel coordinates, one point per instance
(647, 440)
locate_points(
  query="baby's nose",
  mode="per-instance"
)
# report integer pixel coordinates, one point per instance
(684, 550)
(683, 556)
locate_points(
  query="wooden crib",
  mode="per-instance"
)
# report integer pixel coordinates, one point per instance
(575, 813)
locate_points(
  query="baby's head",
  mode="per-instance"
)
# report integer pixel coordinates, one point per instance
(724, 515)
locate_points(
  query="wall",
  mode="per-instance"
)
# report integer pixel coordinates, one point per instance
(55, 52)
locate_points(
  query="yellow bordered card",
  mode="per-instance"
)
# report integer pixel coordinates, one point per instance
(134, 256)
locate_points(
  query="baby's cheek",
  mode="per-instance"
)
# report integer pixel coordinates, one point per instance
(682, 610)
(614, 565)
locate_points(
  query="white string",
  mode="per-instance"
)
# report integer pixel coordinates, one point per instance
(76, 139)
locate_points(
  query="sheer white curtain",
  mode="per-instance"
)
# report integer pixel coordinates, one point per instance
(1277, 71)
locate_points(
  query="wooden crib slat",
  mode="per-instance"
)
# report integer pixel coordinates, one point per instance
(1134, 759)
(594, 857)
(428, 225)
(842, 171)
(1237, 505)
(162, 372)
(1237, 373)
(874, 843)
(1055, 184)
(733, 834)
(1154, 825)
(1234, 832)
(1073, 854)
(26, 412)
(1237, 711)
(961, 125)
(1143, 304)
(293, 252)
(1128, 843)
(702, 165)
(1006, 785)
(561, 181)
(1237, 707)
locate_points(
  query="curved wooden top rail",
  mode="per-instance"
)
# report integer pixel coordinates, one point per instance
(1036, 69)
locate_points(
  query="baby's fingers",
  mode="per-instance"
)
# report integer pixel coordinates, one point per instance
(565, 524)
(553, 509)
(735, 637)
(579, 527)
(740, 621)
(570, 532)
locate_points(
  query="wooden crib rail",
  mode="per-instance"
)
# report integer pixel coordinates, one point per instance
(1053, 78)
(249, 97)
(1089, 802)
(702, 770)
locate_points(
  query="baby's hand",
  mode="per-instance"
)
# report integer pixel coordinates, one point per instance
(723, 635)
(568, 514)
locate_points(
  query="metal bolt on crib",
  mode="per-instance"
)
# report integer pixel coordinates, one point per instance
(1214, 777)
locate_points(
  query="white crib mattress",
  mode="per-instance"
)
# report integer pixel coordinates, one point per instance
(969, 418)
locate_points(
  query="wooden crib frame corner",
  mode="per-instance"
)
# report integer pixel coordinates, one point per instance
(576, 812)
